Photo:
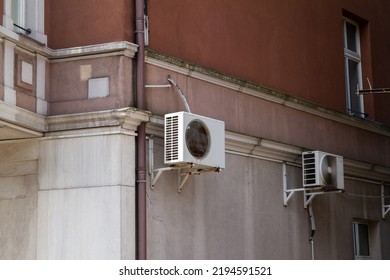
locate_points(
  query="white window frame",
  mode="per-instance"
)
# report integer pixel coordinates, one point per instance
(350, 55)
(31, 15)
(357, 241)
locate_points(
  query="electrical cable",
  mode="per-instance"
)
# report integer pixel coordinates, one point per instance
(180, 93)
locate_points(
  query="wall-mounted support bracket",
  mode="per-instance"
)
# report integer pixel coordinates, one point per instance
(181, 177)
(385, 208)
(288, 192)
(309, 196)
(183, 173)
(308, 193)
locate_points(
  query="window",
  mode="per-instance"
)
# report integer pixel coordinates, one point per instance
(18, 13)
(25, 17)
(353, 71)
(361, 240)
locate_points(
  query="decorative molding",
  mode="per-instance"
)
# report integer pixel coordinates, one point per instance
(127, 118)
(25, 66)
(124, 121)
(22, 118)
(98, 50)
(93, 51)
(264, 149)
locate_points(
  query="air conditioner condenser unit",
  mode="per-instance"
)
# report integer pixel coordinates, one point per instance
(322, 169)
(194, 139)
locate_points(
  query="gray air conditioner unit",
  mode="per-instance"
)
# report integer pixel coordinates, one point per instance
(194, 139)
(322, 170)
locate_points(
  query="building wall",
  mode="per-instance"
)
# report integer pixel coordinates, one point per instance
(24, 77)
(239, 214)
(69, 193)
(18, 199)
(86, 198)
(1, 71)
(296, 48)
(94, 84)
(263, 113)
(75, 23)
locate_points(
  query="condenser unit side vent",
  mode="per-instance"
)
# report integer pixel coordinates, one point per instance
(309, 169)
(172, 138)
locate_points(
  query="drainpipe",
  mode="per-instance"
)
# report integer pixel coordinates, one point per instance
(312, 229)
(141, 135)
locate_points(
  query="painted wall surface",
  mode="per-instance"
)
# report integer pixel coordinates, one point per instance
(2, 72)
(18, 199)
(86, 198)
(68, 198)
(251, 115)
(69, 91)
(294, 47)
(72, 194)
(239, 214)
(79, 23)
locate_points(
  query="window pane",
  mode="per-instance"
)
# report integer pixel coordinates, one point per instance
(351, 36)
(364, 248)
(361, 239)
(15, 9)
(353, 73)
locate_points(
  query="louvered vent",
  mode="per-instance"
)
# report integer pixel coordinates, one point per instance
(309, 169)
(172, 138)
(322, 169)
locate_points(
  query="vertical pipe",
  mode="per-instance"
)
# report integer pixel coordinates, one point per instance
(141, 193)
(312, 229)
(141, 134)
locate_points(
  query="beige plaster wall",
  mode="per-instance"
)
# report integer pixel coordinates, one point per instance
(68, 197)
(18, 199)
(239, 214)
(86, 198)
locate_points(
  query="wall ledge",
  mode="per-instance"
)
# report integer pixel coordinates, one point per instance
(264, 149)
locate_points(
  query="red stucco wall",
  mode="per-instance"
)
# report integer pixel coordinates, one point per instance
(292, 46)
(76, 23)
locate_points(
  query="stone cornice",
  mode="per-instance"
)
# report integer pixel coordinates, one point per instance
(126, 118)
(264, 149)
(22, 118)
(105, 49)
(34, 125)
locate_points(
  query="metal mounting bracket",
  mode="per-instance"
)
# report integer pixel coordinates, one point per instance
(183, 173)
(180, 179)
(288, 192)
(308, 193)
(385, 208)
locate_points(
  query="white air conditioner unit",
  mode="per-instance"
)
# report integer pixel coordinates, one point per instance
(194, 139)
(323, 170)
